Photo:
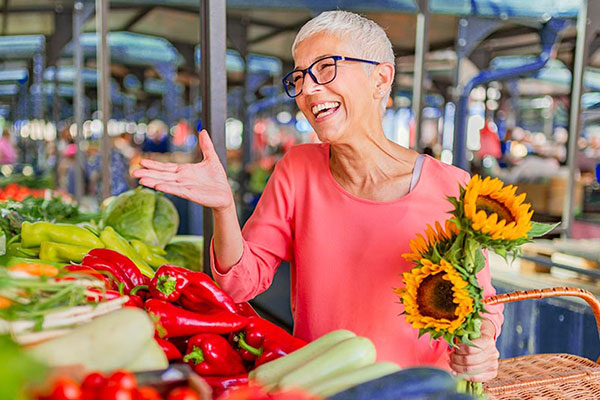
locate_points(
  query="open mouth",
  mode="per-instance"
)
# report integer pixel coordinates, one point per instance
(325, 109)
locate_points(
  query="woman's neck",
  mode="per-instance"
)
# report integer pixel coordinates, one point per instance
(368, 161)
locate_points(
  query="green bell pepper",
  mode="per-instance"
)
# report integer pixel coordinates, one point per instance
(62, 252)
(16, 249)
(33, 234)
(116, 242)
(145, 251)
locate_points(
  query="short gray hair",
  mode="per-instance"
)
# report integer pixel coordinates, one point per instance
(368, 39)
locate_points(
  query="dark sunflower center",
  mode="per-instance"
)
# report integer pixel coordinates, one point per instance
(491, 206)
(434, 297)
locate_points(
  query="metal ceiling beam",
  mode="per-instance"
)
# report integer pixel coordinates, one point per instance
(188, 52)
(137, 18)
(63, 33)
(277, 31)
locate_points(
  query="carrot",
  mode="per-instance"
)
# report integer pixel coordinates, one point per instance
(37, 269)
(4, 302)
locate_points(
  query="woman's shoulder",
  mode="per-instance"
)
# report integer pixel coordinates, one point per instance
(443, 172)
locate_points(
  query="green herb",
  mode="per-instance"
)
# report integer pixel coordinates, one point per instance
(33, 298)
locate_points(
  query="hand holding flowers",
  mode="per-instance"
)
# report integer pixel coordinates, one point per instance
(441, 295)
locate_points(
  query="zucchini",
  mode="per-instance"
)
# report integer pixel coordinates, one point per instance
(108, 342)
(345, 356)
(151, 358)
(339, 383)
(270, 373)
(408, 384)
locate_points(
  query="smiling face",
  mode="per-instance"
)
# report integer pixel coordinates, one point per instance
(338, 109)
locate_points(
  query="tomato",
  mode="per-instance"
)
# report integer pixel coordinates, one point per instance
(65, 389)
(92, 385)
(147, 393)
(183, 393)
(94, 380)
(122, 380)
(117, 393)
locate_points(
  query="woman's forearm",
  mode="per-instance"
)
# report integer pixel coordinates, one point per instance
(228, 242)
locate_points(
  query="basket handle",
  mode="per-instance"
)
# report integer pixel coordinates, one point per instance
(550, 292)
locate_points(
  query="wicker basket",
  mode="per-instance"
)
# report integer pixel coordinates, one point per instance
(546, 376)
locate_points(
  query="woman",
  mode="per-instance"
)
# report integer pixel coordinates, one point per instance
(342, 211)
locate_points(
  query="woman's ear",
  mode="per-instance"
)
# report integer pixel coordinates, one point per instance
(384, 78)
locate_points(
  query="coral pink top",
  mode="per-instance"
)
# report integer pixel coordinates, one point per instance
(345, 252)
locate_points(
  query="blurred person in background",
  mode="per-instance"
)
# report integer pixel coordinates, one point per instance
(119, 171)
(8, 152)
(157, 138)
(65, 171)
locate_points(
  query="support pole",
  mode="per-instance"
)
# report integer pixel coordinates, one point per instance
(588, 23)
(78, 13)
(103, 63)
(421, 50)
(214, 92)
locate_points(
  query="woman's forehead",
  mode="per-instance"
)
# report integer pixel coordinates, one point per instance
(319, 45)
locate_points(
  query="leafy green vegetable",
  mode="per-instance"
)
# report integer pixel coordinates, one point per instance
(17, 369)
(142, 214)
(185, 254)
(14, 213)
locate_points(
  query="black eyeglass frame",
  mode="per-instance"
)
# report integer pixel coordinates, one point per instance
(314, 78)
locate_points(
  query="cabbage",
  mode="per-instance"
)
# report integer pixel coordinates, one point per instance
(187, 254)
(142, 214)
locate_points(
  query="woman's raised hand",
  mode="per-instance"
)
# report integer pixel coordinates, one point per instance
(204, 183)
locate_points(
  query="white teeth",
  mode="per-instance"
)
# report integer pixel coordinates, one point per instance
(320, 107)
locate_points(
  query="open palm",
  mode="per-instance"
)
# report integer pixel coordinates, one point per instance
(204, 183)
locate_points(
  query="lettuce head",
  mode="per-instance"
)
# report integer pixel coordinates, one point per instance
(142, 214)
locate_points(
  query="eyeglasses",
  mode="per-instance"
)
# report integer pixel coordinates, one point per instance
(322, 72)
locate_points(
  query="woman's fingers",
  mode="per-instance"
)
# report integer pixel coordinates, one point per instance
(160, 166)
(206, 144)
(154, 174)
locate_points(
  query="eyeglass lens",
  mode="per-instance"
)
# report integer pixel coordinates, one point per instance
(323, 70)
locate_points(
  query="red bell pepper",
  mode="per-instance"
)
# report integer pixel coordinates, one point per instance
(219, 384)
(95, 295)
(211, 354)
(89, 271)
(170, 283)
(122, 267)
(170, 350)
(263, 341)
(176, 321)
(246, 310)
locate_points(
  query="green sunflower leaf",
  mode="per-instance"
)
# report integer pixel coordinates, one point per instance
(479, 260)
(539, 229)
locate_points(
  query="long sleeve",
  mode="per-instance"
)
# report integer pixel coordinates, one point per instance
(268, 237)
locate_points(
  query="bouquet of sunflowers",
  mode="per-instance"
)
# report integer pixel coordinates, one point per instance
(441, 295)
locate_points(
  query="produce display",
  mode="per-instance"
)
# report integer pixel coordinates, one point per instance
(108, 304)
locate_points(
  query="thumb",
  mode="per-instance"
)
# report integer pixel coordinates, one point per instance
(205, 144)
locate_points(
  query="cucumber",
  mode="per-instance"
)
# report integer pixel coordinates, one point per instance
(108, 342)
(408, 384)
(151, 358)
(345, 356)
(270, 373)
(339, 383)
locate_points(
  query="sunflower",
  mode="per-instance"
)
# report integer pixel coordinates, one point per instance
(438, 235)
(494, 210)
(435, 297)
